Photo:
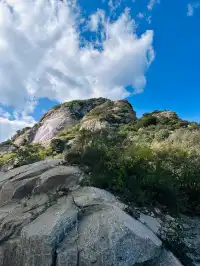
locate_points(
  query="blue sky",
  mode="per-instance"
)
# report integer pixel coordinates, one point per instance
(173, 80)
(171, 71)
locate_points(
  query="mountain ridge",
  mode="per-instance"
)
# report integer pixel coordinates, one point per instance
(74, 107)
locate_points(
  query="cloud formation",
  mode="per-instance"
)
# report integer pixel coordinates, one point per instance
(43, 53)
(152, 3)
(191, 8)
(8, 127)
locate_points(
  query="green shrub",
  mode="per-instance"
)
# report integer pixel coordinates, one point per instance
(193, 125)
(146, 121)
(57, 145)
(6, 159)
(163, 120)
(139, 173)
(162, 134)
(28, 154)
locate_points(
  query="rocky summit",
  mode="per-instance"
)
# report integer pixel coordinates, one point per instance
(92, 184)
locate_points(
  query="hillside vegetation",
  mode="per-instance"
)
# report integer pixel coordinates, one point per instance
(153, 160)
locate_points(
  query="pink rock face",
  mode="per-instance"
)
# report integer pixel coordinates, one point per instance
(56, 122)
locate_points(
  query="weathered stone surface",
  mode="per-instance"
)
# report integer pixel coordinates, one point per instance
(60, 176)
(47, 219)
(17, 190)
(10, 253)
(31, 170)
(41, 237)
(20, 182)
(191, 239)
(68, 253)
(108, 236)
(154, 224)
(62, 117)
(166, 258)
(86, 196)
(56, 121)
(181, 234)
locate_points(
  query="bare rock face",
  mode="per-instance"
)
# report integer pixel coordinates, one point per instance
(93, 114)
(25, 136)
(47, 218)
(53, 123)
(63, 116)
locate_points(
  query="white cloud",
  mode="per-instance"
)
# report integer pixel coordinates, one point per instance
(152, 3)
(43, 54)
(191, 8)
(114, 4)
(9, 127)
(145, 16)
(149, 19)
(140, 15)
(96, 19)
(4, 113)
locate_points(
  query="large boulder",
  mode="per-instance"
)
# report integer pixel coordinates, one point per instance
(47, 218)
(41, 177)
(105, 235)
(41, 237)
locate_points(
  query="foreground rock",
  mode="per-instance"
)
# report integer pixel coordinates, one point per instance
(47, 218)
(181, 234)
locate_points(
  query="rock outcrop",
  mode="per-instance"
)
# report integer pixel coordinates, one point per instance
(7, 147)
(60, 117)
(108, 114)
(48, 218)
(93, 114)
(166, 114)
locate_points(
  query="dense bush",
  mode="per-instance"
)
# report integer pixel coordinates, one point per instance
(57, 145)
(162, 134)
(28, 154)
(146, 121)
(6, 159)
(140, 173)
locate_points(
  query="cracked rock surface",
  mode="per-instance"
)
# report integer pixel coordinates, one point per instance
(48, 219)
